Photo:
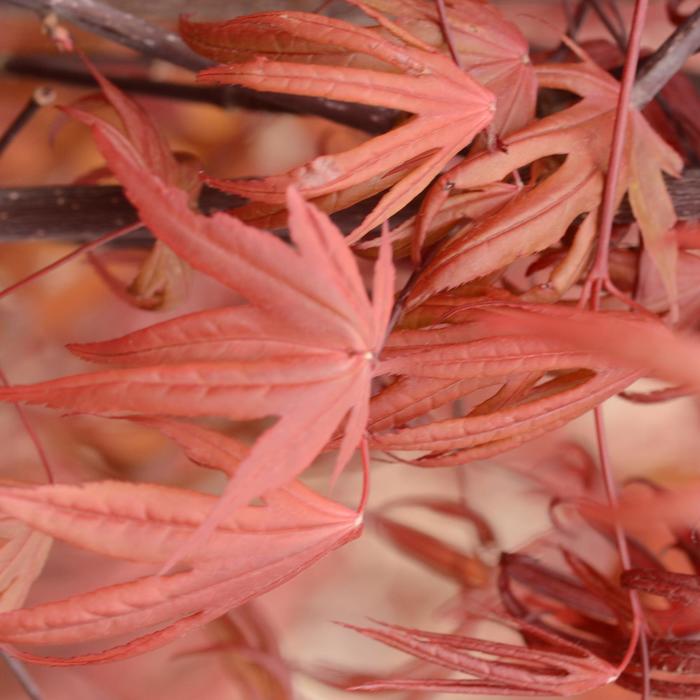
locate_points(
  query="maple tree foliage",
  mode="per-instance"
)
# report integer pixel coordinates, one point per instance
(486, 323)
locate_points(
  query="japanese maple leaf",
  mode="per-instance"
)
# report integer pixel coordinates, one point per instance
(541, 215)
(251, 551)
(574, 628)
(514, 384)
(304, 350)
(562, 667)
(626, 340)
(491, 49)
(309, 54)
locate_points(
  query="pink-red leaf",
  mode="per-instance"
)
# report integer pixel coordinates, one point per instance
(449, 107)
(258, 548)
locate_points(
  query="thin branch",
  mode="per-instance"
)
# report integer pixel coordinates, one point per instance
(68, 70)
(79, 213)
(75, 253)
(617, 33)
(121, 27)
(599, 274)
(33, 437)
(667, 60)
(154, 41)
(447, 32)
(574, 21)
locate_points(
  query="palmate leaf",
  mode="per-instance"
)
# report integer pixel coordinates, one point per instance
(540, 216)
(577, 631)
(491, 49)
(562, 668)
(253, 551)
(326, 315)
(294, 50)
(526, 384)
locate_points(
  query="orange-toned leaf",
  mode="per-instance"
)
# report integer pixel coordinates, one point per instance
(449, 107)
(490, 48)
(540, 216)
(258, 548)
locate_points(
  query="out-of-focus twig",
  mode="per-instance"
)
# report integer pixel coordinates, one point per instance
(82, 213)
(155, 42)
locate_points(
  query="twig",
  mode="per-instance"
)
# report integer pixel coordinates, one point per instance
(667, 60)
(79, 213)
(23, 678)
(155, 42)
(41, 97)
(76, 253)
(82, 213)
(32, 434)
(124, 28)
(597, 280)
(574, 21)
(67, 70)
(574, 18)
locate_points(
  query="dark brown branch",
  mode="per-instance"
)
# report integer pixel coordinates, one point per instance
(81, 213)
(667, 60)
(68, 70)
(155, 42)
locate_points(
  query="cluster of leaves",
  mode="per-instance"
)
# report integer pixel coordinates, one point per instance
(577, 623)
(474, 356)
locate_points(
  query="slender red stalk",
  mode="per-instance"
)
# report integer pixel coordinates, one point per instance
(33, 436)
(598, 279)
(85, 248)
(638, 634)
